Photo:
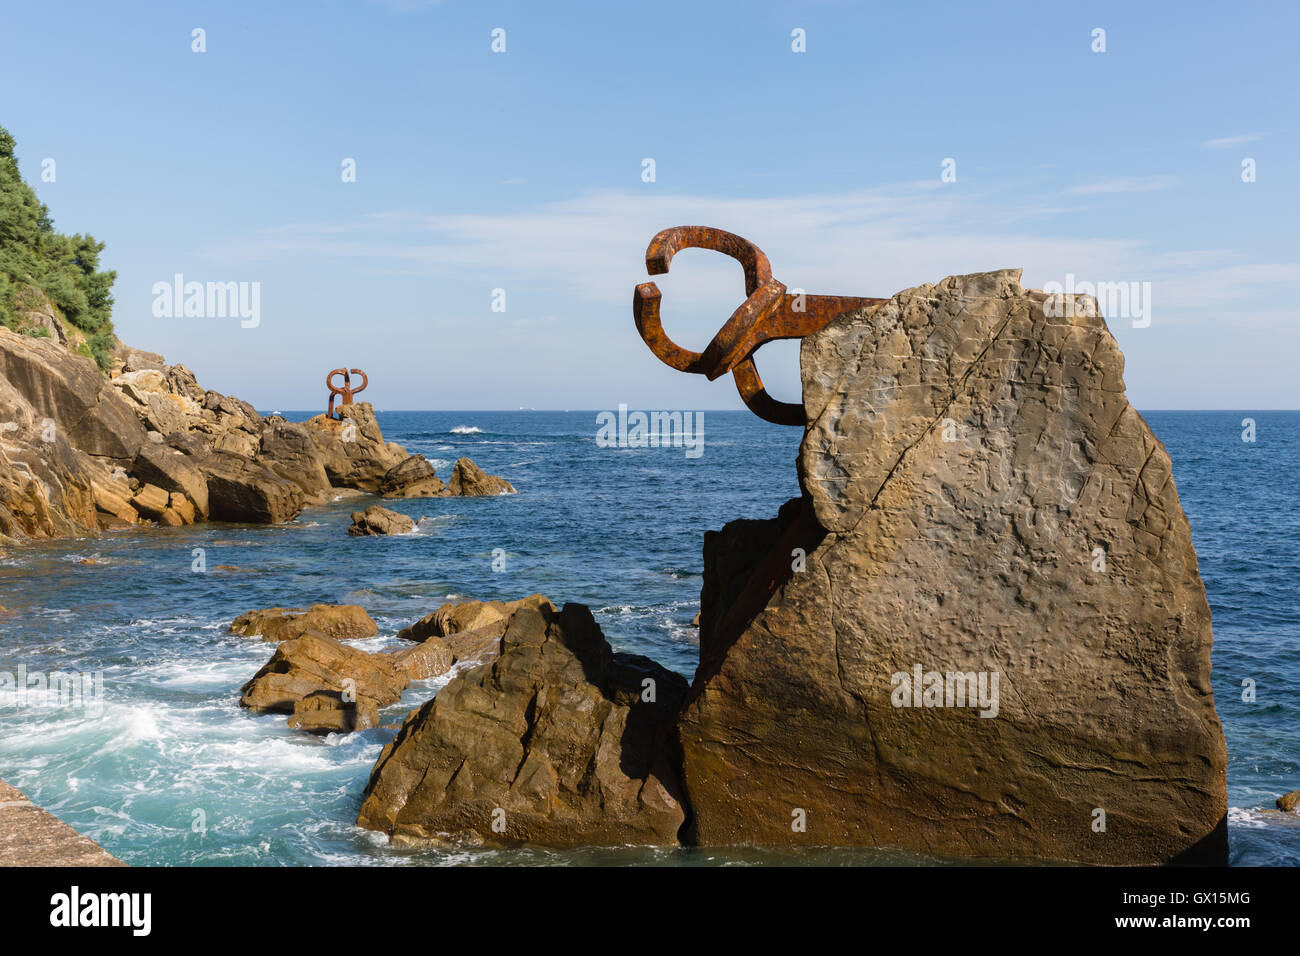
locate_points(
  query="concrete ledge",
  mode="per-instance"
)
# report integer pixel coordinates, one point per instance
(29, 836)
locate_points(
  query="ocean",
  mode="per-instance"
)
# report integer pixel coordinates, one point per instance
(171, 771)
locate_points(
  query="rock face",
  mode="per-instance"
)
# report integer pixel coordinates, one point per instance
(380, 520)
(981, 503)
(552, 743)
(342, 622)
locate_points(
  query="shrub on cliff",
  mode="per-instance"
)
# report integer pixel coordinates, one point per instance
(65, 268)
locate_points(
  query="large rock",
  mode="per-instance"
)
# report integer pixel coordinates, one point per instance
(981, 500)
(353, 451)
(554, 743)
(69, 389)
(172, 471)
(468, 480)
(411, 478)
(380, 520)
(290, 450)
(316, 664)
(239, 489)
(342, 622)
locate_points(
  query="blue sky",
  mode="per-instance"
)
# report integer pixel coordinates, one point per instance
(522, 170)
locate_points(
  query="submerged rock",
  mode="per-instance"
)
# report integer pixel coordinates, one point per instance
(557, 742)
(380, 520)
(342, 622)
(982, 631)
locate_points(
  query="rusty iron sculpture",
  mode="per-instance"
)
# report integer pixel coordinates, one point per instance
(769, 313)
(346, 391)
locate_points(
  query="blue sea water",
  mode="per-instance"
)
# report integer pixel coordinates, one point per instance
(173, 772)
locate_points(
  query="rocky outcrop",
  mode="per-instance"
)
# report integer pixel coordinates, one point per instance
(981, 632)
(557, 742)
(1289, 802)
(380, 520)
(468, 480)
(318, 665)
(352, 448)
(342, 622)
(79, 454)
(412, 478)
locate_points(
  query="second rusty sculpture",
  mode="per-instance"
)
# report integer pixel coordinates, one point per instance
(769, 313)
(346, 391)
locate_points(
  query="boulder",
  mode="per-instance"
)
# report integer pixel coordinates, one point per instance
(151, 501)
(327, 712)
(342, 622)
(315, 663)
(172, 471)
(411, 478)
(242, 490)
(1289, 802)
(430, 658)
(558, 742)
(289, 449)
(471, 629)
(468, 480)
(982, 625)
(380, 520)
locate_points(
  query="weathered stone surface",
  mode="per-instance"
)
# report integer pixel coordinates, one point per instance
(172, 470)
(1289, 802)
(326, 712)
(353, 450)
(151, 501)
(239, 489)
(68, 389)
(411, 478)
(554, 732)
(29, 836)
(429, 658)
(468, 480)
(471, 629)
(969, 461)
(380, 520)
(315, 663)
(290, 450)
(342, 622)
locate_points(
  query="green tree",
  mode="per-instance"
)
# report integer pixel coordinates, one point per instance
(65, 268)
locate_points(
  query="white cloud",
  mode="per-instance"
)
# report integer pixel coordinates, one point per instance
(1132, 184)
(1226, 141)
